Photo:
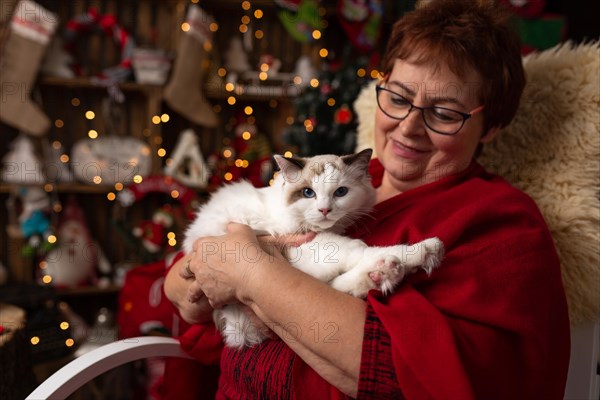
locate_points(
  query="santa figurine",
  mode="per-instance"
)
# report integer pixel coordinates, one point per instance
(153, 232)
(73, 261)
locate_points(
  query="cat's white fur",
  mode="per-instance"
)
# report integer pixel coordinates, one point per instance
(348, 265)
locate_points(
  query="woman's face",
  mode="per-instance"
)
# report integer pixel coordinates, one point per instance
(413, 154)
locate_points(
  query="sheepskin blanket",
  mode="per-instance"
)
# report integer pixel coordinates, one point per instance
(551, 151)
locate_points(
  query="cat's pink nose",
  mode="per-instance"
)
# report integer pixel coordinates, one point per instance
(325, 211)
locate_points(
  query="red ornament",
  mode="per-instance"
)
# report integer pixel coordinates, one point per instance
(343, 115)
(326, 88)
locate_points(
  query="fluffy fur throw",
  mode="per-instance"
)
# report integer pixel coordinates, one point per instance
(551, 151)
(365, 106)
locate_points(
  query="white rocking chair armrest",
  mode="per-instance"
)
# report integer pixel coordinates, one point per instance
(583, 381)
(90, 365)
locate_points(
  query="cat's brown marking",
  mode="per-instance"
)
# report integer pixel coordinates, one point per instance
(311, 171)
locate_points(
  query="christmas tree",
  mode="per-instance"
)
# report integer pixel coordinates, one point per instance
(325, 121)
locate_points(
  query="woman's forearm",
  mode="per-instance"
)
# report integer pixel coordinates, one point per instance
(326, 327)
(322, 325)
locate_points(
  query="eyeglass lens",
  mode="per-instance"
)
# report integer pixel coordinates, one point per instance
(439, 119)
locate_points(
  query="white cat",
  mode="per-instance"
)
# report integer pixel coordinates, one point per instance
(325, 194)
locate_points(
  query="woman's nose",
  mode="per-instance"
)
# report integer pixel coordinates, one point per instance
(413, 124)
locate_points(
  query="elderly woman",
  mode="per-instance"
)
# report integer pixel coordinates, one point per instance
(490, 322)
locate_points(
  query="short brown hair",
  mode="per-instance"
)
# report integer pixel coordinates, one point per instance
(465, 33)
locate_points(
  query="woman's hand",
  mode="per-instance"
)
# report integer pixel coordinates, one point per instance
(221, 264)
(176, 286)
(239, 266)
(224, 265)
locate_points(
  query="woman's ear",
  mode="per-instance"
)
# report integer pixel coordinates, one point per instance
(490, 135)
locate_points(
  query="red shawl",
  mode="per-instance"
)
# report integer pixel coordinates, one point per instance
(490, 323)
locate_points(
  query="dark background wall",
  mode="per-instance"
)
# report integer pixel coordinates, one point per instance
(583, 18)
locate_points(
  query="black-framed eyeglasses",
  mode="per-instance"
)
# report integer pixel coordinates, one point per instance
(442, 120)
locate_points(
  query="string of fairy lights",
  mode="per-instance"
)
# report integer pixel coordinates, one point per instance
(234, 92)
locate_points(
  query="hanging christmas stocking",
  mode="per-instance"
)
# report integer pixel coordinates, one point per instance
(361, 20)
(183, 93)
(31, 28)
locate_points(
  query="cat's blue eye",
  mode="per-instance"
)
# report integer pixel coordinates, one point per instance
(341, 191)
(308, 193)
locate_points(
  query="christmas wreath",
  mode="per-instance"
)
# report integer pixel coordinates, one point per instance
(94, 22)
(149, 237)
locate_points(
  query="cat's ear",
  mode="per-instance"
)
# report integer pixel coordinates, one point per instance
(290, 168)
(360, 159)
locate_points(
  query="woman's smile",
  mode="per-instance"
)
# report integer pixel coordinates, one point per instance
(409, 151)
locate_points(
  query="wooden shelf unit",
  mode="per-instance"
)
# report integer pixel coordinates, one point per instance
(154, 24)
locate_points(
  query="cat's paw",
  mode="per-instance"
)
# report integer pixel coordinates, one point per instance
(434, 252)
(387, 273)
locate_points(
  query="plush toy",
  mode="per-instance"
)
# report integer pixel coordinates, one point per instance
(73, 262)
(34, 221)
(21, 165)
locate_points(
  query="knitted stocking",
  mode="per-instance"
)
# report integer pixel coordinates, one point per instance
(31, 28)
(183, 91)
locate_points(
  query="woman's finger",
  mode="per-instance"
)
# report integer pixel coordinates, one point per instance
(195, 293)
(234, 227)
(186, 272)
(292, 240)
(215, 304)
